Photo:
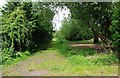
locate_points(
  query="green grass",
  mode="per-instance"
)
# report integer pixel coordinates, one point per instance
(59, 65)
(67, 51)
(108, 58)
(76, 65)
(62, 60)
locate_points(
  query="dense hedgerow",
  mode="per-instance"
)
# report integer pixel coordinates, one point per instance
(25, 27)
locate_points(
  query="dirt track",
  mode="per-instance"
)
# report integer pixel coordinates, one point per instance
(86, 45)
(98, 47)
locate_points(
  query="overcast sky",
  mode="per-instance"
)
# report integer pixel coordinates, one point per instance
(58, 18)
(2, 2)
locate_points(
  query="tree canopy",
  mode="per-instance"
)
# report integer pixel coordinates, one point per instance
(28, 26)
(25, 26)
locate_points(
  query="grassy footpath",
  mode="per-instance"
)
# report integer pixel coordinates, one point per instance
(51, 63)
(62, 60)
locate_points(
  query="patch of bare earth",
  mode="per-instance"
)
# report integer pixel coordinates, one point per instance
(99, 48)
(36, 73)
(28, 67)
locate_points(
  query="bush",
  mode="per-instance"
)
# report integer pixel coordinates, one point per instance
(18, 57)
(115, 27)
(74, 30)
(25, 28)
(106, 59)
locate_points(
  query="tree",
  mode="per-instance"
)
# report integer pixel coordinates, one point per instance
(42, 18)
(15, 32)
(95, 16)
(25, 27)
(75, 30)
(115, 27)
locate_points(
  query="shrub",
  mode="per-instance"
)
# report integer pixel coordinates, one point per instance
(115, 27)
(106, 59)
(74, 30)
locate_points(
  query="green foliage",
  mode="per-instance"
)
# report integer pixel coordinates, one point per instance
(57, 65)
(84, 57)
(19, 56)
(105, 59)
(96, 16)
(102, 19)
(79, 60)
(69, 51)
(25, 27)
(74, 30)
(22, 54)
(9, 7)
(115, 27)
(42, 20)
(16, 32)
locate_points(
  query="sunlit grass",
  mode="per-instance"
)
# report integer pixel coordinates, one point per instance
(76, 65)
(65, 63)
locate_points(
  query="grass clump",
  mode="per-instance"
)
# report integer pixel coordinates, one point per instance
(80, 56)
(79, 60)
(105, 59)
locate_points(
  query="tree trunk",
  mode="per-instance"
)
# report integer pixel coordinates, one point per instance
(96, 38)
(95, 33)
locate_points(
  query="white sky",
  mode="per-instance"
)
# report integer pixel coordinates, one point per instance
(2, 2)
(58, 18)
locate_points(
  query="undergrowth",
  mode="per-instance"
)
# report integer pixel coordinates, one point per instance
(67, 62)
(86, 56)
(19, 56)
(75, 56)
(67, 51)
